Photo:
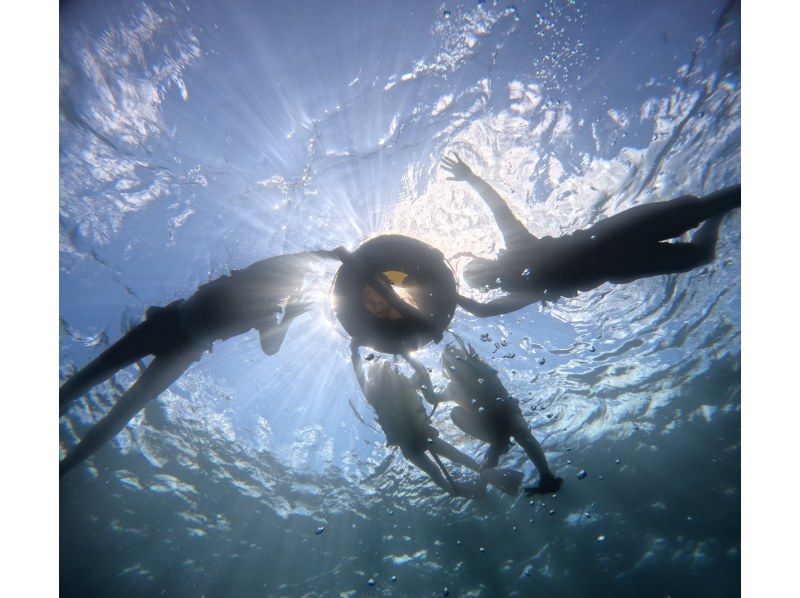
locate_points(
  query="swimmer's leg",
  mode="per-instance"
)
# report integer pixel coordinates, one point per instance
(468, 422)
(669, 258)
(548, 483)
(523, 436)
(663, 220)
(492, 456)
(426, 464)
(448, 451)
(136, 344)
(158, 376)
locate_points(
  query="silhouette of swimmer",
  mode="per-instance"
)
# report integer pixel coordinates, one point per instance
(403, 419)
(178, 334)
(619, 249)
(486, 411)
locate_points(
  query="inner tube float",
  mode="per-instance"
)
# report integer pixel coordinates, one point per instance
(394, 294)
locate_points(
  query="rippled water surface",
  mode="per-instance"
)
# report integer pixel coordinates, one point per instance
(199, 137)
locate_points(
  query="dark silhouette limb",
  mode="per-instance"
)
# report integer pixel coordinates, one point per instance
(523, 436)
(156, 378)
(469, 423)
(662, 220)
(272, 337)
(497, 307)
(513, 231)
(135, 345)
(448, 451)
(426, 464)
(492, 456)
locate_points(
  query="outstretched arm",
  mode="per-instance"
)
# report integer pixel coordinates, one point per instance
(339, 253)
(423, 380)
(504, 305)
(513, 231)
(272, 336)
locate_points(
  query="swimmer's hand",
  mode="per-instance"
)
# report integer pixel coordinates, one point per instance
(547, 485)
(341, 253)
(456, 167)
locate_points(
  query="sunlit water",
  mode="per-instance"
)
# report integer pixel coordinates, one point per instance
(200, 137)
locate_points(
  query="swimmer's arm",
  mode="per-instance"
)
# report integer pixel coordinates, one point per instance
(340, 253)
(423, 381)
(385, 290)
(358, 366)
(513, 231)
(504, 305)
(273, 334)
(271, 337)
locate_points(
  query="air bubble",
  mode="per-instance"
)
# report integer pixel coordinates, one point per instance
(370, 582)
(601, 538)
(581, 474)
(319, 530)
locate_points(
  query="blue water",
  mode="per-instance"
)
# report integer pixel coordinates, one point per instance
(200, 137)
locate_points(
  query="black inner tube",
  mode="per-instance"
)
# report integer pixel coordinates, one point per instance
(395, 294)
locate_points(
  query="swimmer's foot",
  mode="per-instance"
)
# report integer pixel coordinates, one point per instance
(547, 484)
(506, 480)
(472, 489)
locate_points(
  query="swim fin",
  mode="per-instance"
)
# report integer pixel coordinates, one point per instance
(471, 489)
(546, 485)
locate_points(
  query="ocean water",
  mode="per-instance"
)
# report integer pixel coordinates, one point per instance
(197, 137)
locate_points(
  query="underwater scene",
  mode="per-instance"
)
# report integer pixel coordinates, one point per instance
(400, 298)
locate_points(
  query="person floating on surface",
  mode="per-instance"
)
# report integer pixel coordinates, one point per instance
(178, 334)
(403, 419)
(486, 411)
(619, 249)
